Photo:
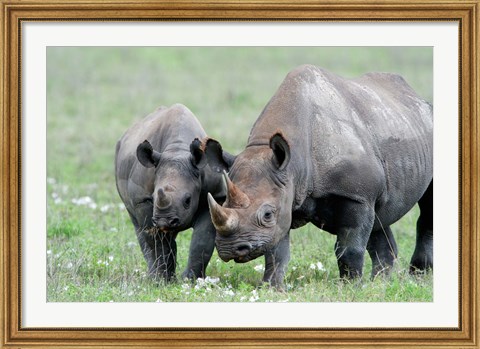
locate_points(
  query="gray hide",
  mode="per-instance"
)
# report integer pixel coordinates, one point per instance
(163, 181)
(351, 156)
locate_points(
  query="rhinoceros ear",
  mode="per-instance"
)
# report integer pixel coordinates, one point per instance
(199, 159)
(146, 155)
(281, 151)
(218, 160)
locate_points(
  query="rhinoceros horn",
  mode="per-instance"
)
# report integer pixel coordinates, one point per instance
(164, 200)
(224, 219)
(235, 197)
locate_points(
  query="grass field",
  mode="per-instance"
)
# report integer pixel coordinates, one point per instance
(95, 94)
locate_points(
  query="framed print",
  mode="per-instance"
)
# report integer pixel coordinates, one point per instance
(76, 76)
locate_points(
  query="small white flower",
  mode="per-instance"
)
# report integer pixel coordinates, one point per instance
(85, 200)
(320, 266)
(229, 293)
(65, 288)
(49, 252)
(211, 280)
(121, 206)
(317, 266)
(260, 268)
(110, 258)
(69, 265)
(130, 293)
(242, 298)
(51, 180)
(93, 206)
(158, 300)
(131, 244)
(104, 208)
(114, 230)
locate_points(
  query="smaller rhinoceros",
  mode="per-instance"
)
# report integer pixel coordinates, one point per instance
(163, 179)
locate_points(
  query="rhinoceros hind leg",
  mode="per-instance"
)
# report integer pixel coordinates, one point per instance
(422, 258)
(383, 251)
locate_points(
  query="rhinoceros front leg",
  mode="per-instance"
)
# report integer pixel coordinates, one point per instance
(353, 223)
(201, 247)
(383, 251)
(159, 249)
(276, 261)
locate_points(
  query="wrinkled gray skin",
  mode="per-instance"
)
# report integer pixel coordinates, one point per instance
(350, 156)
(163, 181)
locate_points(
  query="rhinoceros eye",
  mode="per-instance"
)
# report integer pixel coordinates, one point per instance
(187, 201)
(266, 215)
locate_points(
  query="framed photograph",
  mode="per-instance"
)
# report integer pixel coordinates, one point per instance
(76, 76)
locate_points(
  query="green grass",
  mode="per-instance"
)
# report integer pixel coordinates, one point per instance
(95, 94)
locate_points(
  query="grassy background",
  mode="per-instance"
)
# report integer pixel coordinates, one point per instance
(95, 94)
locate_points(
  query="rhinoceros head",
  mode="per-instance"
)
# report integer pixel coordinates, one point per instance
(177, 184)
(257, 212)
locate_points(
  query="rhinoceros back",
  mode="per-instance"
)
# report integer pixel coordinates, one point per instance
(367, 138)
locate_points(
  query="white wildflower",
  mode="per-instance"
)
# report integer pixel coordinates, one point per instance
(320, 266)
(49, 252)
(110, 258)
(104, 208)
(65, 288)
(158, 300)
(85, 201)
(212, 280)
(317, 266)
(229, 293)
(253, 299)
(260, 268)
(51, 180)
(69, 265)
(254, 296)
(56, 198)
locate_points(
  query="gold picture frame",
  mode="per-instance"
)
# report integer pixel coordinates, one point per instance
(15, 12)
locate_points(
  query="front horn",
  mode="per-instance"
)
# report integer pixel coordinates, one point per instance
(224, 219)
(164, 200)
(235, 197)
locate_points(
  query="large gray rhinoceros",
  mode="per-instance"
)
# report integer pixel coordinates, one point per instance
(162, 179)
(352, 156)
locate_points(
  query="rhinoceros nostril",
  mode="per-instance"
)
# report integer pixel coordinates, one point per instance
(243, 249)
(174, 222)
